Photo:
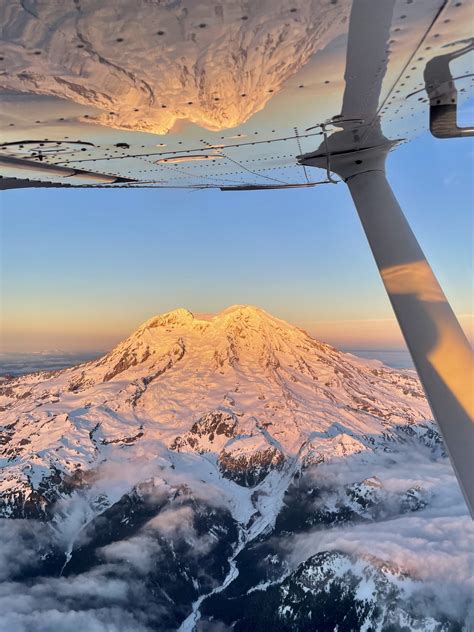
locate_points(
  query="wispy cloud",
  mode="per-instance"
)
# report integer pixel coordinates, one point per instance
(435, 545)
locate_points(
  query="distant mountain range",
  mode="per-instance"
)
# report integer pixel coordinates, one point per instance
(177, 470)
(21, 363)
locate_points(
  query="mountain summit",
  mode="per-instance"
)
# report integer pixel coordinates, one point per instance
(180, 459)
(249, 392)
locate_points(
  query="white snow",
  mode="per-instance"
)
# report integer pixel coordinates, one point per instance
(286, 393)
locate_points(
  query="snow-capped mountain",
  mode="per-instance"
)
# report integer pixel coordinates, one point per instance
(198, 438)
(246, 392)
(329, 591)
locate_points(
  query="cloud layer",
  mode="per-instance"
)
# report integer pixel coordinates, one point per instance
(434, 546)
(114, 593)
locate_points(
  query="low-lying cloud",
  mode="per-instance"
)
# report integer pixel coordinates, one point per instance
(113, 596)
(434, 545)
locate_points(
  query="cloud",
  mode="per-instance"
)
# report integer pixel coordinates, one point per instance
(213, 626)
(74, 515)
(66, 621)
(140, 552)
(439, 552)
(112, 596)
(434, 545)
(97, 600)
(173, 522)
(408, 467)
(100, 620)
(144, 550)
(21, 543)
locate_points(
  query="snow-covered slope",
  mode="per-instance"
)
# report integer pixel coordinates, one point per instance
(330, 591)
(185, 465)
(243, 391)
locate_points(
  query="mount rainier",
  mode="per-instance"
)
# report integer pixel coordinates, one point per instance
(228, 472)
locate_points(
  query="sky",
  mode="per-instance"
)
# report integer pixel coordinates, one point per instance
(82, 269)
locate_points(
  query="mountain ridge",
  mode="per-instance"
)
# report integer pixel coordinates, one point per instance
(288, 396)
(195, 451)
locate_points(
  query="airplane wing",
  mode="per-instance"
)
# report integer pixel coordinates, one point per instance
(152, 94)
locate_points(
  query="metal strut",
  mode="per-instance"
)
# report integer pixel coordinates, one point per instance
(440, 350)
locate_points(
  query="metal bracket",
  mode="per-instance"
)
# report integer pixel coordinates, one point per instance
(324, 134)
(328, 156)
(443, 96)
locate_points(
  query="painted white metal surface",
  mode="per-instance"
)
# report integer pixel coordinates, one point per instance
(140, 83)
(440, 350)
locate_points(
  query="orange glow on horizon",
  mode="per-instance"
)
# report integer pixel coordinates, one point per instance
(102, 332)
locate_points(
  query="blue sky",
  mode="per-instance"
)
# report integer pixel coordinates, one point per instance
(83, 268)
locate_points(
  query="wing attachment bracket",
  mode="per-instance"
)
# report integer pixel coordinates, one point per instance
(443, 95)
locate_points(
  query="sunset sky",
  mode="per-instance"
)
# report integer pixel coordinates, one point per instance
(81, 269)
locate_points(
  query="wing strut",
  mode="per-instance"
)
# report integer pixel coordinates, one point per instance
(440, 350)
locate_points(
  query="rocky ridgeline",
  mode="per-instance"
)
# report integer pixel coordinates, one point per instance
(205, 440)
(243, 390)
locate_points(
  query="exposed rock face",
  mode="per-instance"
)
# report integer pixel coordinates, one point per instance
(247, 390)
(183, 466)
(147, 65)
(126, 361)
(209, 432)
(249, 467)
